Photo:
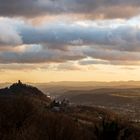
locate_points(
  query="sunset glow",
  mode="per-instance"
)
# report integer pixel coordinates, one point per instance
(61, 40)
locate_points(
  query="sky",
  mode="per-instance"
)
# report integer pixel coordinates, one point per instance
(69, 40)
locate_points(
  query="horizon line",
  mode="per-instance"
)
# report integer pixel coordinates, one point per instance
(71, 81)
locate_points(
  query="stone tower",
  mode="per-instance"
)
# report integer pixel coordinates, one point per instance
(19, 82)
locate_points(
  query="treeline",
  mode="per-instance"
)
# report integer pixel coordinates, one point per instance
(22, 118)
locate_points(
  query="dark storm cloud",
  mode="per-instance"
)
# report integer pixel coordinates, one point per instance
(87, 8)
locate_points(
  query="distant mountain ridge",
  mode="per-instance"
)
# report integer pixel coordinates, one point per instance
(110, 95)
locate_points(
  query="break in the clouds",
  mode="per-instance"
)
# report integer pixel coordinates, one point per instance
(117, 42)
(85, 8)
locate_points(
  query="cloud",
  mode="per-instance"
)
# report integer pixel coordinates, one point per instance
(58, 42)
(86, 8)
(92, 62)
(15, 66)
(61, 35)
(8, 34)
(108, 62)
(129, 68)
(41, 56)
(112, 55)
(68, 66)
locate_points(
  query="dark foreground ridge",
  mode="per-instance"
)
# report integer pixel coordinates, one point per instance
(20, 89)
(28, 114)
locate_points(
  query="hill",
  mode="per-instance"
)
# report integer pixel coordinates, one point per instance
(26, 113)
(19, 89)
